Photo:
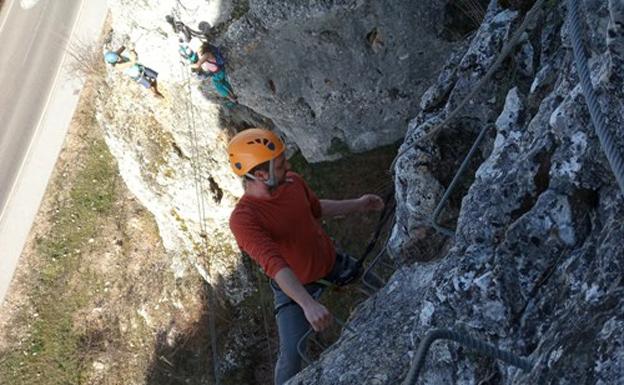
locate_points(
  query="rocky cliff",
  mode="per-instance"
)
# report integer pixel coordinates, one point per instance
(338, 76)
(332, 77)
(534, 265)
(329, 86)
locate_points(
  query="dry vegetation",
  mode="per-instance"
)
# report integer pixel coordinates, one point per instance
(94, 291)
(86, 61)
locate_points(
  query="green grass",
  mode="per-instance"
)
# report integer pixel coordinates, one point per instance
(52, 352)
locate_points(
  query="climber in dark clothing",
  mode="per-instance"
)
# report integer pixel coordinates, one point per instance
(129, 65)
(205, 59)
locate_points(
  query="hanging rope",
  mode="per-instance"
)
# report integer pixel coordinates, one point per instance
(263, 307)
(606, 139)
(199, 188)
(201, 209)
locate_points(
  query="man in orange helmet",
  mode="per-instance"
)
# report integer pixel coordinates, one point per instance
(276, 222)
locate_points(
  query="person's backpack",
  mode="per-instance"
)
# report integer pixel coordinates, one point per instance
(219, 58)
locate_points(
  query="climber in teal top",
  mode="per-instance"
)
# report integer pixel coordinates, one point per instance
(206, 60)
(211, 64)
(130, 66)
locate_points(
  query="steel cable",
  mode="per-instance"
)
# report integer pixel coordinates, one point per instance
(606, 139)
(505, 51)
(451, 187)
(467, 341)
(607, 142)
(304, 337)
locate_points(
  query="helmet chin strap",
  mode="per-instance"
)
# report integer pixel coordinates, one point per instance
(272, 181)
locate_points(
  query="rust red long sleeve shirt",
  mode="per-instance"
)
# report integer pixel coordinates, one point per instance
(284, 231)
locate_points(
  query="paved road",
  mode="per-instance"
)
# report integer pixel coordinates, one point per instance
(36, 104)
(31, 48)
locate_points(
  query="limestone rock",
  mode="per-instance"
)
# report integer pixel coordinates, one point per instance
(336, 76)
(536, 263)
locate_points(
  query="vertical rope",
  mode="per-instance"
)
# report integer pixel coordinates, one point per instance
(202, 215)
(201, 205)
(265, 319)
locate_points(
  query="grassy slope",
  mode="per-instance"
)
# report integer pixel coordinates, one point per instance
(94, 288)
(55, 292)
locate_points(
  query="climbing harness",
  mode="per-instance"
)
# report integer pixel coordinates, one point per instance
(209, 69)
(465, 340)
(353, 270)
(606, 139)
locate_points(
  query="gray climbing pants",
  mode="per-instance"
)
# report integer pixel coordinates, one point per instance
(292, 324)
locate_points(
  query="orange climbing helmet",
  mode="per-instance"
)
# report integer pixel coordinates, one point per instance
(252, 147)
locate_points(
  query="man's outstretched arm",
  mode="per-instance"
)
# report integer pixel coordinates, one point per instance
(367, 202)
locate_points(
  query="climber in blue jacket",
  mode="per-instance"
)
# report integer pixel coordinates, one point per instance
(129, 65)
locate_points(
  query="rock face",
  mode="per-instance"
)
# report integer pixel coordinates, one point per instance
(536, 263)
(330, 86)
(171, 152)
(339, 76)
(331, 76)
